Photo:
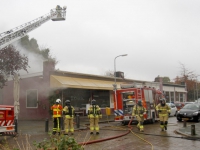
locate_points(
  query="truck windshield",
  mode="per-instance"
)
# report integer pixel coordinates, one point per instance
(128, 106)
(128, 102)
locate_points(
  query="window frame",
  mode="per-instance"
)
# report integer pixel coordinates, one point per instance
(27, 98)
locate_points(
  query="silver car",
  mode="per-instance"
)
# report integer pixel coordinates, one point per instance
(173, 109)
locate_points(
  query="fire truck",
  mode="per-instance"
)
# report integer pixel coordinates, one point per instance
(7, 113)
(127, 97)
(7, 126)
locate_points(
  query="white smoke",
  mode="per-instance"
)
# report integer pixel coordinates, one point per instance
(35, 61)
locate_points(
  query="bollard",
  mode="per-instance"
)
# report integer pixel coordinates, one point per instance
(184, 123)
(47, 125)
(193, 130)
(77, 121)
(62, 123)
(16, 125)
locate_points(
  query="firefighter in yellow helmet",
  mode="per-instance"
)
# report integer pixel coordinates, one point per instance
(163, 110)
(138, 112)
(94, 113)
(57, 114)
(68, 111)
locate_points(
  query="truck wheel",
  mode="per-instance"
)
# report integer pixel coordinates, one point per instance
(153, 118)
(123, 123)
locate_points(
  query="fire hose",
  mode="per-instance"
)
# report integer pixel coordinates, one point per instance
(114, 137)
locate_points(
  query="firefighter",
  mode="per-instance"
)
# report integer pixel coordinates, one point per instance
(68, 111)
(57, 113)
(163, 110)
(138, 112)
(94, 113)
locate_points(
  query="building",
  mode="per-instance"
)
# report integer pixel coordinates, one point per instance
(39, 90)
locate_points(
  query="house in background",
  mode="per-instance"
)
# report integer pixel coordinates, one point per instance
(39, 90)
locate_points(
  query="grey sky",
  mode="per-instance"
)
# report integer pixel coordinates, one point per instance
(156, 34)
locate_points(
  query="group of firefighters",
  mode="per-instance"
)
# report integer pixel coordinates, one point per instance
(162, 109)
(94, 114)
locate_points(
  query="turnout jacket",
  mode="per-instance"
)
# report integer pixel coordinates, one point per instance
(57, 110)
(68, 111)
(94, 112)
(163, 110)
(138, 110)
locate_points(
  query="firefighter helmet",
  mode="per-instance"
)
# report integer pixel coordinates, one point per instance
(163, 101)
(67, 102)
(139, 102)
(58, 101)
(93, 102)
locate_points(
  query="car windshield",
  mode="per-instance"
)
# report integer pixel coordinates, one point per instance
(191, 106)
(178, 104)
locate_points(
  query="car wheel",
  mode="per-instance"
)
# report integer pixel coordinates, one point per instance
(197, 119)
(175, 113)
(179, 118)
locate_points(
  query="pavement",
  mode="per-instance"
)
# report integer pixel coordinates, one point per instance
(190, 130)
(36, 131)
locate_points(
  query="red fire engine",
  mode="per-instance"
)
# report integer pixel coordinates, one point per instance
(7, 126)
(127, 97)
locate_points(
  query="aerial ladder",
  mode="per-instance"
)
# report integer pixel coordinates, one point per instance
(8, 37)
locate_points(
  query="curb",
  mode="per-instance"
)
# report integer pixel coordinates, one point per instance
(187, 135)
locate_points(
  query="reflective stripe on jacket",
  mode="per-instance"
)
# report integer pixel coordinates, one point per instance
(164, 109)
(69, 111)
(138, 110)
(57, 110)
(94, 112)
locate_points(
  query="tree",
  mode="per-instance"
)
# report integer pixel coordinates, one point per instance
(11, 61)
(189, 78)
(109, 73)
(166, 79)
(32, 46)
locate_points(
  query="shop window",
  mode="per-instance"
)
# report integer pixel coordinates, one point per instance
(102, 98)
(81, 97)
(31, 98)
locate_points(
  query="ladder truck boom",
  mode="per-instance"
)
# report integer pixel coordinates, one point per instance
(8, 37)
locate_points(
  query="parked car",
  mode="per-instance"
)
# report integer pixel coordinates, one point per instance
(189, 111)
(179, 105)
(173, 109)
(188, 103)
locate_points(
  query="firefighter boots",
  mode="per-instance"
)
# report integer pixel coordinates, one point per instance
(165, 127)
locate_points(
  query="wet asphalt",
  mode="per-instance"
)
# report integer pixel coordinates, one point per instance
(177, 137)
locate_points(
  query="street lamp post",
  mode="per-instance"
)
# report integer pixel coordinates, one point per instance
(115, 85)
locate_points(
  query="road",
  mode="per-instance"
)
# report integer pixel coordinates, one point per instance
(152, 138)
(156, 140)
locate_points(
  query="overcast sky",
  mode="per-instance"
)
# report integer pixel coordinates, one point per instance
(157, 35)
